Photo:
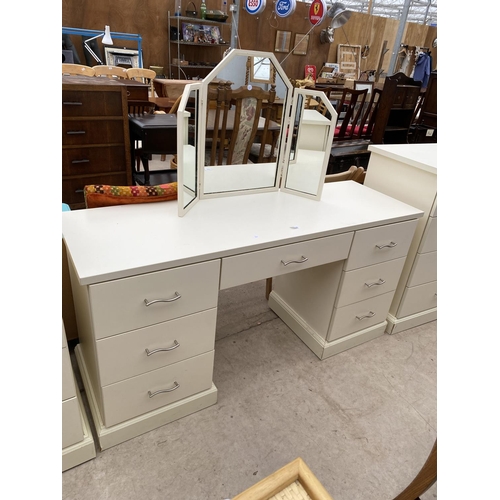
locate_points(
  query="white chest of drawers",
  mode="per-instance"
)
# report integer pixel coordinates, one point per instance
(409, 173)
(146, 306)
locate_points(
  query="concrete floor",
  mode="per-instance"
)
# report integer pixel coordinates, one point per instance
(364, 421)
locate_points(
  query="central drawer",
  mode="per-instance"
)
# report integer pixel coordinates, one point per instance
(81, 132)
(261, 264)
(120, 305)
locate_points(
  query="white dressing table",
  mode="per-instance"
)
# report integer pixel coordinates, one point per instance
(145, 285)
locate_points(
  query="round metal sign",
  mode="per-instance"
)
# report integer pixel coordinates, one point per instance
(255, 6)
(284, 8)
(317, 11)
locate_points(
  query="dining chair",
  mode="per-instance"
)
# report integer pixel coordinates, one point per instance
(110, 71)
(350, 110)
(143, 75)
(77, 69)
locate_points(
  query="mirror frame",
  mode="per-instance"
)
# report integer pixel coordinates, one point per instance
(253, 78)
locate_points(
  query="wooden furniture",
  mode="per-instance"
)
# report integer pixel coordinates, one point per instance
(95, 136)
(424, 128)
(294, 481)
(166, 87)
(143, 75)
(154, 298)
(77, 442)
(110, 71)
(397, 104)
(350, 110)
(409, 173)
(354, 173)
(77, 69)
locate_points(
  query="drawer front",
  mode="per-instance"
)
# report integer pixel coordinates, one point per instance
(91, 103)
(131, 397)
(380, 244)
(284, 259)
(72, 429)
(81, 132)
(417, 299)
(93, 159)
(119, 306)
(72, 192)
(68, 381)
(366, 282)
(138, 92)
(126, 355)
(424, 269)
(358, 316)
(429, 238)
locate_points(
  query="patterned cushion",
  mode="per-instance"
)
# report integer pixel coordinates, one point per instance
(99, 195)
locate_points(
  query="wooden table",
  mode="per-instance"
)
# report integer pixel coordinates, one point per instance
(163, 103)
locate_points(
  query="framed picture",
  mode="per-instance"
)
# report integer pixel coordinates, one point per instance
(261, 70)
(282, 43)
(301, 44)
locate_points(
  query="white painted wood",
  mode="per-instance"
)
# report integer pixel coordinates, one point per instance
(429, 238)
(417, 299)
(124, 356)
(118, 306)
(129, 398)
(72, 429)
(264, 263)
(424, 269)
(68, 381)
(396, 325)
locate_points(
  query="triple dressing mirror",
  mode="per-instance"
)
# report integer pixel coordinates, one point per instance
(244, 129)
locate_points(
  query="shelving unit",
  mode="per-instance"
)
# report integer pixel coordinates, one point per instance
(199, 62)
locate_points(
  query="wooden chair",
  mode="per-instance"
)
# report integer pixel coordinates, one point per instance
(367, 122)
(139, 108)
(143, 75)
(111, 71)
(77, 69)
(350, 110)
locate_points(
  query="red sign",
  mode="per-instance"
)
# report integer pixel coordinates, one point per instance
(317, 11)
(310, 71)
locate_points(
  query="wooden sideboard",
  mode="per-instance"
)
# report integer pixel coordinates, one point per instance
(95, 135)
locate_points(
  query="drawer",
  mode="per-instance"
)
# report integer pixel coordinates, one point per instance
(429, 238)
(424, 269)
(138, 92)
(380, 244)
(366, 282)
(81, 132)
(180, 339)
(417, 299)
(90, 102)
(358, 316)
(68, 380)
(120, 306)
(83, 160)
(138, 395)
(72, 429)
(72, 191)
(284, 259)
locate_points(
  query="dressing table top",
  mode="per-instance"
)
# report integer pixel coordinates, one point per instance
(117, 242)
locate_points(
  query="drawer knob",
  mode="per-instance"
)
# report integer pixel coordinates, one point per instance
(302, 259)
(176, 296)
(153, 394)
(379, 282)
(72, 103)
(369, 315)
(75, 132)
(175, 346)
(392, 244)
(79, 161)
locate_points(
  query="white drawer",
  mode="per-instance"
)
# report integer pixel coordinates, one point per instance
(367, 282)
(124, 356)
(72, 429)
(417, 299)
(424, 269)
(129, 398)
(68, 380)
(429, 238)
(358, 316)
(380, 244)
(284, 259)
(119, 306)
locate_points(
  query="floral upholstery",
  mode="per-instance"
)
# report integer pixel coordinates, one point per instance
(101, 195)
(247, 120)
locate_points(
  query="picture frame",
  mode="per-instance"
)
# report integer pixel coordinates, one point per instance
(301, 44)
(282, 43)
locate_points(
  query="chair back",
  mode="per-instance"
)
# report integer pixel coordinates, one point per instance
(77, 69)
(236, 119)
(110, 71)
(140, 107)
(350, 110)
(365, 128)
(143, 75)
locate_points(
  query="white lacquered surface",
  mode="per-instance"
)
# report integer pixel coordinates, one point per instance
(116, 242)
(423, 156)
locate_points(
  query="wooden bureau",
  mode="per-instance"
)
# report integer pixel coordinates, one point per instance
(95, 136)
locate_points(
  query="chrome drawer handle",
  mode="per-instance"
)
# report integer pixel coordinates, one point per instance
(75, 132)
(392, 244)
(176, 296)
(369, 315)
(79, 161)
(175, 346)
(72, 103)
(153, 394)
(379, 282)
(302, 259)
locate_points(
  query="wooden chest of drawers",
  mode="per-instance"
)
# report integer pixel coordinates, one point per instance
(95, 136)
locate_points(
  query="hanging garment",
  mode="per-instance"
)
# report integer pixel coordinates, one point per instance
(422, 69)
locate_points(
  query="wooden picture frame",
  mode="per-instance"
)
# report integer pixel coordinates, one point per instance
(282, 43)
(301, 44)
(362, 84)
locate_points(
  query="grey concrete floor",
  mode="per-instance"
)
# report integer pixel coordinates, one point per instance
(364, 421)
